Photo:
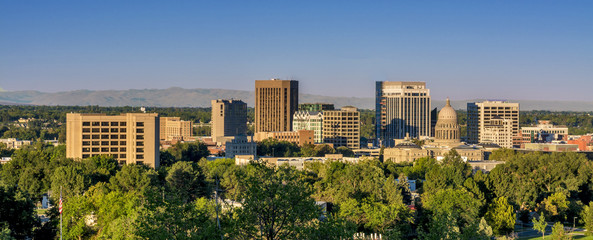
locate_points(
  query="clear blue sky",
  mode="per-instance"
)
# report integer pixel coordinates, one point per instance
(462, 49)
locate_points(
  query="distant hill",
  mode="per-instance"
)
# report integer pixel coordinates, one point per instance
(180, 97)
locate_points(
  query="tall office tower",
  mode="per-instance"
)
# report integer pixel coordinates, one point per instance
(305, 120)
(275, 103)
(482, 114)
(131, 138)
(342, 127)
(402, 108)
(229, 118)
(315, 107)
(174, 128)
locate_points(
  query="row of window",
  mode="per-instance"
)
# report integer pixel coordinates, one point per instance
(107, 136)
(107, 124)
(120, 156)
(113, 143)
(107, 149)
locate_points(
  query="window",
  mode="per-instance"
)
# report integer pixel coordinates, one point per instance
(122, 136)
(86, 136)
(114, 149)
(104, 124)
(114, 136)
(96, 136)
(123, 143)
(85, 155)
(86, 149)
(96, 130)
(140, 124)
(86, 124)
(114, 143)
(139, 156)
(139, 137)
(122, 156)
(104, 143)
(139, 143)
(104, 130)
(123, 124)
(96, 143)
(122, 130)
(86, 130)
(95, 149)
(140, 150)
(140, 130)
(96, 124)
(104, 136)
(104, 149)
(86, 143)
(114, 130)
(122, 149)
(114, 123)
(139, 162)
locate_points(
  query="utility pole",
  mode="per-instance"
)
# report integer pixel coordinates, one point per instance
(217, 208)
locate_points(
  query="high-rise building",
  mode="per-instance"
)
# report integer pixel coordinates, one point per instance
(131, 138)
(275, 103)
(479, 115)
(315, 107)
(402, 108)
(229, 118)
(305, 120)
(498, 131)
(174, 128)
(342, 127)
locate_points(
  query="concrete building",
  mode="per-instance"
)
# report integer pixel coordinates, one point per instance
(585, 142)
(480, 115)
(405, 152)
(305, 120)
(552, 147)
(300, 137)
(402, 108)
(543, 132)
(229, 118)
(131, 138)
(315, 107)
(498, 131)
(275, 103)
(13, 143)
(446, 127)
(342, 127)
(240, 145)
(173, 128)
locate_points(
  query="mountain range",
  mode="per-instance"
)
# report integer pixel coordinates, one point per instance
(180, 97)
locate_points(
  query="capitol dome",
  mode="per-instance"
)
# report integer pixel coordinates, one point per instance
(447, 128)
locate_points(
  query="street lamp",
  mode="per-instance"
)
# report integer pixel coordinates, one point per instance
(573, 221)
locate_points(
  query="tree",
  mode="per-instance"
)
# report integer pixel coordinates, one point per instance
(134, 178)
(558, 232)
(186, 181)
(323, 149)
(17, 213)
(189, 152)
(501, 216)
(276, 205)
(556, 206)
(345, 151)
(454, 202)
(587, 217)
(540, 225)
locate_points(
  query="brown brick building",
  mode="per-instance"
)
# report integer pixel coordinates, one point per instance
(275, 103)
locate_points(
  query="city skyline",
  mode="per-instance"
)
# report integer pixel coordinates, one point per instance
(467, 50)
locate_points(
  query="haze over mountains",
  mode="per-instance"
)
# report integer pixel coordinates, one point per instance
(179, 97)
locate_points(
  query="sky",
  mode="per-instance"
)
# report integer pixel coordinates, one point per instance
(524, 50)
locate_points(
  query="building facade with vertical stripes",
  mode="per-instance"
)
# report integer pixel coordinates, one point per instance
(402, 108)
(276, 101)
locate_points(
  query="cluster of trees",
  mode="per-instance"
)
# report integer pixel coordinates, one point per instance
(274, 148)
(178, 200)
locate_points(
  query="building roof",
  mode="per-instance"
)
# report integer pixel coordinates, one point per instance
(448, 113)
(407, 145)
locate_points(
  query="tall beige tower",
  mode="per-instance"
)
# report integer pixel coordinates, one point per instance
(275, 103)
(342, 127)
(229, 118)
(491, 115)
(131, 138)
(402, 108)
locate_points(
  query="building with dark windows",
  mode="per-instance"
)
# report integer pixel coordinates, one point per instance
(402, 108)
(229, 118)
(276, 101)
(131, 138)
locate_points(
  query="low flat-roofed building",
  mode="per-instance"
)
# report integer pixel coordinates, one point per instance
(552, 147)
(484, 166)
(240, 145)
(405, 152)
(300, 137)
(13, 143)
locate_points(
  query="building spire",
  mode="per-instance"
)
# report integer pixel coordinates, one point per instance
(448, 102)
